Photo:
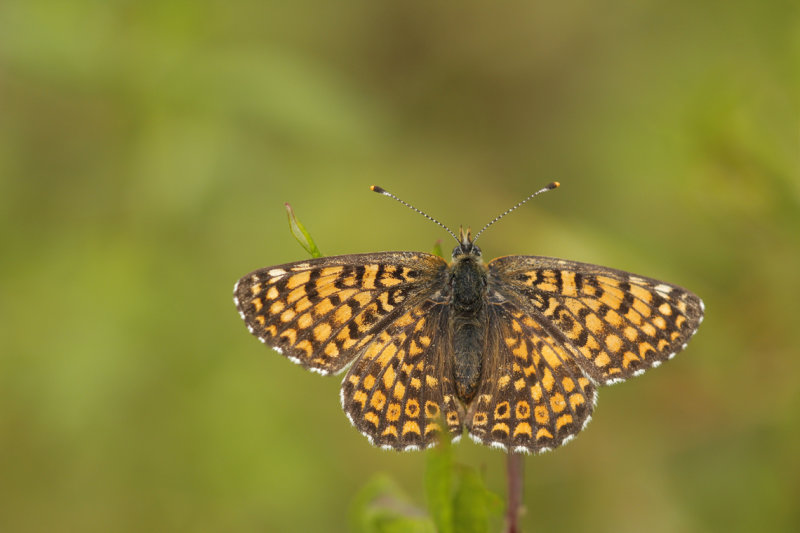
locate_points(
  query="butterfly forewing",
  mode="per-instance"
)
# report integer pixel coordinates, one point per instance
(320, 313)
(616, 324)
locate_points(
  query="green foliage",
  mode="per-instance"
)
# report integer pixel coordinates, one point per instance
(457, 499)
(139, 141)
(301, 234)
(473, 503)
(382, 507)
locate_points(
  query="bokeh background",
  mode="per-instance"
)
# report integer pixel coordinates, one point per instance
(146, 151)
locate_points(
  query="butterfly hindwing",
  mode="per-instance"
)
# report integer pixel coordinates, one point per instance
(533, 396)
(398, 392)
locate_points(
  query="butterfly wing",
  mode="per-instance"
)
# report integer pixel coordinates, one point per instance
(533, 396)
(616, 324)
(557, 330)
(376, 309)
(399, 389)
(320, 313)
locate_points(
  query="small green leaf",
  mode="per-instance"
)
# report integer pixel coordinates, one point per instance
(381, 507)
(437, 248)
(300, 233)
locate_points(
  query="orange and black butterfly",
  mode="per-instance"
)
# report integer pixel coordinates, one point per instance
(513, 349)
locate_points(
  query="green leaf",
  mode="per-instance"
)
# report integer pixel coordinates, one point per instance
(382, 507)
(473, 503)
(301, 234)
(439, 483)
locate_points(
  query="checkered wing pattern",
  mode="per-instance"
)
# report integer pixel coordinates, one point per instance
(616, 324)
(533, 396)
(399, 390)
(376, 310)
(557, 330)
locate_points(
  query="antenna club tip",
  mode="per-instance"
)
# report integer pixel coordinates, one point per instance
(377, 189)
(554, 185)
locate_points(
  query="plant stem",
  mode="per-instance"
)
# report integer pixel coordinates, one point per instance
(515, 464)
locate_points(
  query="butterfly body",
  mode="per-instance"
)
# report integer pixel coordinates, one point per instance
(468, 281)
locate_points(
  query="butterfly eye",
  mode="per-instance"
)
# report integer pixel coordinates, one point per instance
(467, 249)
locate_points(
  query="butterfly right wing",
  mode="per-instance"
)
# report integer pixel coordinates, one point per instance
(617, 324)
(533, 396)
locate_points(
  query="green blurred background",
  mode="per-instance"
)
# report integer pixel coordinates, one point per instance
(146, 151)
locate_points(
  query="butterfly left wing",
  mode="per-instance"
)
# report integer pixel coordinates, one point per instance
(320, 313)
(399, 390)
(377, 310)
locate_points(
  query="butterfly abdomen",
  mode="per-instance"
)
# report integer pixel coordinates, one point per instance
(468, 324)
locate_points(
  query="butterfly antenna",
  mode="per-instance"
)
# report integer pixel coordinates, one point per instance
(384, 192)
(549, 187)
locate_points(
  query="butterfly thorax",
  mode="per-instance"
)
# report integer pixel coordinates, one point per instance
(467, 281)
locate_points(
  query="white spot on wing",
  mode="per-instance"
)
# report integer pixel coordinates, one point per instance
(320, 371)
(276, 272)
(663, 289)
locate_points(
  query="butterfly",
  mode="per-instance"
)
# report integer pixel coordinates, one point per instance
(513, 350)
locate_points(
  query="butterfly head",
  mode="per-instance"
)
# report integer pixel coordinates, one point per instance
(465, 246)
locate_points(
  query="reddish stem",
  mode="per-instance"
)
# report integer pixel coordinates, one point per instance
(514, 470)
